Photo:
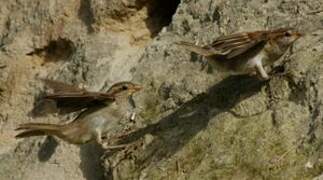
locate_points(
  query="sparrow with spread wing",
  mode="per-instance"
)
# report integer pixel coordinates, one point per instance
(247, 52)
(92, 123)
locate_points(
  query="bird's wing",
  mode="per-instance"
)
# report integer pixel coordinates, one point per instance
(204, 51)
(236, 44)
(70, 92)
(57, 86)
(71, 102)
(69, 98)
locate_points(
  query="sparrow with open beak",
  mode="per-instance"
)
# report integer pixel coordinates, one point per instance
(247, 52)
(92, 123)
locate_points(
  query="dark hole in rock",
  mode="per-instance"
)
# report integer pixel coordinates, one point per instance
(278, 70)
(160, 14)
(56, 50)
(130, 16)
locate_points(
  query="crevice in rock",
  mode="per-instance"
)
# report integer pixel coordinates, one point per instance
(140, 19)
(271, 105)
(305, 93)
(314, 108)
(60, 49)
(86, 15)
(298, 94)
(160, 13)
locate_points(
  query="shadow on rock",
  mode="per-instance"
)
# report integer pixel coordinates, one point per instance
(174, 131)
(42, 107)
(86, 15)
(91, 154)
(47, 149)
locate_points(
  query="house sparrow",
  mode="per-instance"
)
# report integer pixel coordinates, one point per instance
(90, 124)
(247, 52)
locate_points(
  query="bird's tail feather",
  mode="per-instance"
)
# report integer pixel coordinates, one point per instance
(38, 129)
(194, 48)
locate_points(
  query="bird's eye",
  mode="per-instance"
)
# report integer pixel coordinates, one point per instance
(287, 33)
(124, 87)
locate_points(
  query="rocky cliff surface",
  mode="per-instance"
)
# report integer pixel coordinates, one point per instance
(193, 122)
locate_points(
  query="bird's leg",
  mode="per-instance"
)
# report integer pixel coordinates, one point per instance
(106, 146)
(118, 146)
(278, 71)
(99, 140)
(99, 137)
(260, 69)
(253, 73)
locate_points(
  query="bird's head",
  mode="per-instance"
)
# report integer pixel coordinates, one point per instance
(285, 37)
(123, 89)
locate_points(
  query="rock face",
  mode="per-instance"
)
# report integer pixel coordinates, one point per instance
(192, 122)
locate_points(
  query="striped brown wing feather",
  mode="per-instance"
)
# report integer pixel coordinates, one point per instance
(71, 102)
(57, 86)
(69, 98)
(78, 95)
(236, 44)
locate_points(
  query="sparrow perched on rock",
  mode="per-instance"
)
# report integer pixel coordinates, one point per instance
(92, 123)
(247, 52)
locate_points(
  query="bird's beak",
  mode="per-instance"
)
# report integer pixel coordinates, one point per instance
(298, 34)
(137, 87)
